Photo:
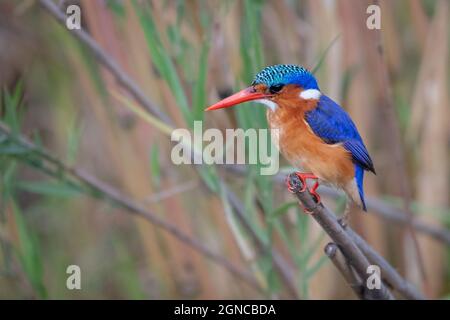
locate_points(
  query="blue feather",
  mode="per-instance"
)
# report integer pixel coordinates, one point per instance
(333, 125)
(359, 177)
(359, 154)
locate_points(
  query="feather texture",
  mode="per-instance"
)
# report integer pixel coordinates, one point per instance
(333, 125)
(359, 177)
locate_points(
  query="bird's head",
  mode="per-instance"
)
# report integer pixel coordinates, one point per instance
(274, 85)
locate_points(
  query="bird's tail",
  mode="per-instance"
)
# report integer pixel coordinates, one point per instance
(359, 177)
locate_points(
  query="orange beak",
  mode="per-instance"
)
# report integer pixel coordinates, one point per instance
(247, 94)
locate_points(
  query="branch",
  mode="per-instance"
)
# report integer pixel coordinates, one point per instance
(108, 62)
(285, 270)
(338, 234)
(378, 207)
(123, 201)
(347, 272)
(389, 274)
(392, 214)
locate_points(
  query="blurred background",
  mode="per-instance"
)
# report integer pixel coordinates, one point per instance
(185, 55)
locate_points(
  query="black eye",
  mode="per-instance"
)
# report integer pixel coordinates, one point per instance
(275, 88)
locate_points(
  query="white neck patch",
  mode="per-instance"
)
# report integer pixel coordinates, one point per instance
(268, 103)
(310, 94)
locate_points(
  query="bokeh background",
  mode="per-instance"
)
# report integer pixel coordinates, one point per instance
(185, 55)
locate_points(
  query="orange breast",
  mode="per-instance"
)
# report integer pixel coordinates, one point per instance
(306, 151)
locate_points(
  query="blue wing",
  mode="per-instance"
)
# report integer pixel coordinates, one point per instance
(331, 123)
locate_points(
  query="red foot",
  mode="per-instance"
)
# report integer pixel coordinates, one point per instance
(303, 177)
(304, 208)
(314, 192)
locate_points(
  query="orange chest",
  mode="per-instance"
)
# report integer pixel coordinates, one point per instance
(303, 149)
(292, 135)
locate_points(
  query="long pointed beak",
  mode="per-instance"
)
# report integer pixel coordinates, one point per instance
(247, 94)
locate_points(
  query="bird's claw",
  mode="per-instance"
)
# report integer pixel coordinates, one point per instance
(293, 189)
(315, 195)
(305, 210)
(312, 191)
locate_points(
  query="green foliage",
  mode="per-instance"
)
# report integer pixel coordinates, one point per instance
(12, 103)
(199, 99)
(175, 69)
(74, 133)
(324, 55)
(12, 153)
(58, 189)
(117, 7)
(183, 67)
(162, 60)
(29, 253)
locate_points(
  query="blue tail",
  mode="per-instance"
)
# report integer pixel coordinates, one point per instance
(359, 176)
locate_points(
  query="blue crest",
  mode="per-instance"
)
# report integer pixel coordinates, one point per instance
(286, 74)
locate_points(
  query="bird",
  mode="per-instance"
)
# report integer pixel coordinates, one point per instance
(314, 133)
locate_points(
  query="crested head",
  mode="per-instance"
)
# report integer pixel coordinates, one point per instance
(284, 74)
(282, 84)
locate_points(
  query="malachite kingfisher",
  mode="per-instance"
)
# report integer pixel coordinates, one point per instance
(316, 135)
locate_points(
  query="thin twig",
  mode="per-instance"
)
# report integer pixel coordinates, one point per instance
(127, 83)
(376, 206)
(108, 62)
(389, 274)
(285, 271)
(397, 216)
(124, 201)
(168, 193)
(332, 251)
(329, 223)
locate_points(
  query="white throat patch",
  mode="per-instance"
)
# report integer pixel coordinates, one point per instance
(270, 104)
(310, 94)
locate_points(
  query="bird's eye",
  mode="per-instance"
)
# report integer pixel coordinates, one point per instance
(275, 88)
